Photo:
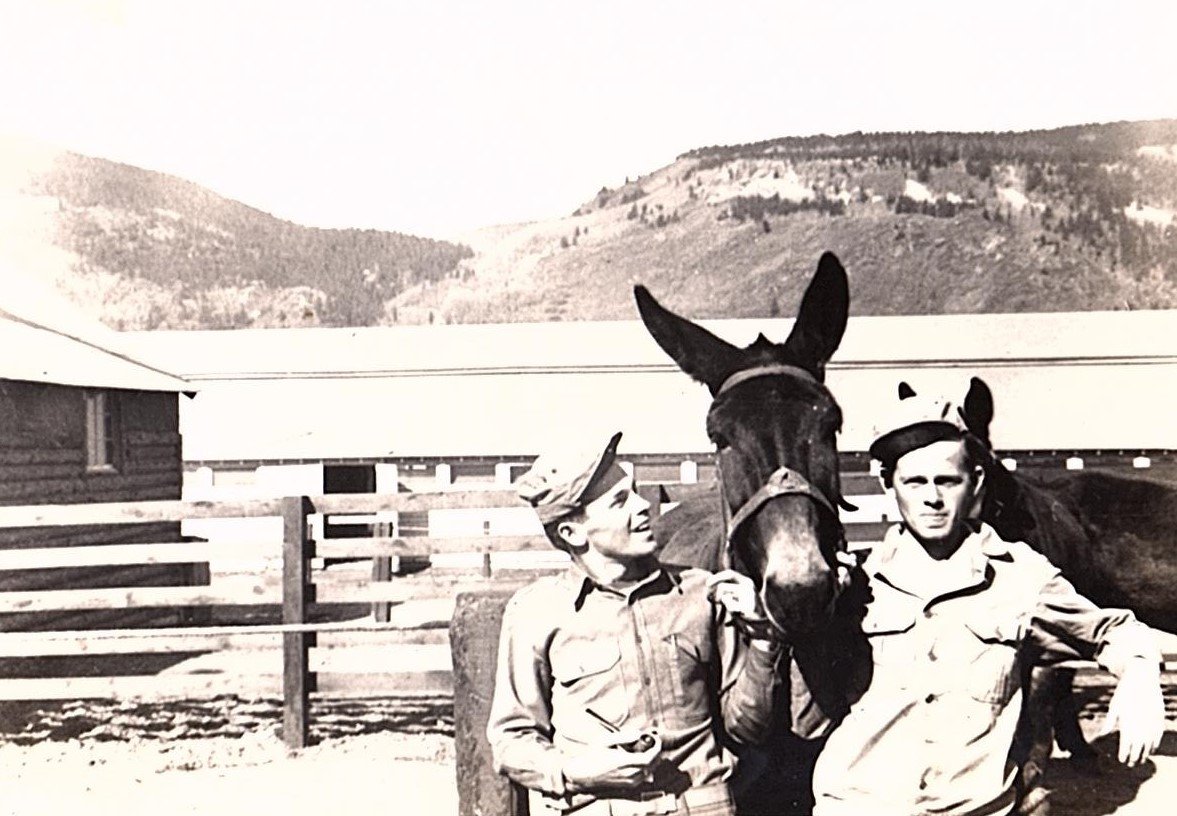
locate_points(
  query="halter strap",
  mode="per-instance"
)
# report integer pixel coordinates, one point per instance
(783, 481)
(763, 371)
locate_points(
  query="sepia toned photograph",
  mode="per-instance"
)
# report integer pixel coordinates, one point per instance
(521, 408)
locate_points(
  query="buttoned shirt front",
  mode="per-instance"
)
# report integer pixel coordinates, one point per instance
(578, 661)
(949, 642)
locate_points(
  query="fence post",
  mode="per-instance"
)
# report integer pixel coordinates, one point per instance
(296, 596)
(486, 566)
(382, 571)
(474, 646)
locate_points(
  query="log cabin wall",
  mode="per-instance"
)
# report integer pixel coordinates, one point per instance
(47, 456)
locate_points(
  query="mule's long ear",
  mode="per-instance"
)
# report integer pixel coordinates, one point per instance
(978, 409)
(697, 351)
(821, 320)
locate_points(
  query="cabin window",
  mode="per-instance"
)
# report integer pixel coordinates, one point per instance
(103, 432)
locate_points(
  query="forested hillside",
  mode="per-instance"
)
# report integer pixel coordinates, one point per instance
(1077, 218)
(153, 251)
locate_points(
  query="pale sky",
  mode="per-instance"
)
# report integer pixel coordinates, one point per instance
(439, 116)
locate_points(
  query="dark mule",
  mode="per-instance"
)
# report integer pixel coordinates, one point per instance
(1109, 533)
(773, 423)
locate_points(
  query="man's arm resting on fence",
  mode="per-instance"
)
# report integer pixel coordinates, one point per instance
(1069, 625)
(1137, 710)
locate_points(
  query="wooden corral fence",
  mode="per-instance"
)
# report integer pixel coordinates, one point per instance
(290, 574)
(330, 607)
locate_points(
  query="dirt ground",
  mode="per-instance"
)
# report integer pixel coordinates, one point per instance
(386, 773)
(394, 756)
(225, 756)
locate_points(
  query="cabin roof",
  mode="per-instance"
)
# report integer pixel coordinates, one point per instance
(65, 350)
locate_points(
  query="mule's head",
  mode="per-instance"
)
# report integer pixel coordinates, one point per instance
(771, 410)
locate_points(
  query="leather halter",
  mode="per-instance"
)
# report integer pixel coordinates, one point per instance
(783, 481)
(763, 371)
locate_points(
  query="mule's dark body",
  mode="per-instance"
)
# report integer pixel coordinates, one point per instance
(1111, 534)
(691, 534)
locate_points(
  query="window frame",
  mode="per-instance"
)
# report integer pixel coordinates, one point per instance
(103, 432)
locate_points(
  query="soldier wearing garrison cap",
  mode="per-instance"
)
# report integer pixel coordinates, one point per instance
(621, 683)
(955, 616)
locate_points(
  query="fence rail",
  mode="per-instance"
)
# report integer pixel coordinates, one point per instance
(298, 575)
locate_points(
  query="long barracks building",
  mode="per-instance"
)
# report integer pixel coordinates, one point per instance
(356, 410)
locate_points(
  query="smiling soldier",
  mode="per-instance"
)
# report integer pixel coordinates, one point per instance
(954, 619)
(620, 681)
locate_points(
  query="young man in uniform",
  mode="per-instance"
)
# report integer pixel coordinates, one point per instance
(621, 682)
(954, 618)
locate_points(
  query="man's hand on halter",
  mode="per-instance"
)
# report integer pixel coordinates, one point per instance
(737, 594)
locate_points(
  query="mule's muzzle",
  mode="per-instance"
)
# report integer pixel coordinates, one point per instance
(799, 606)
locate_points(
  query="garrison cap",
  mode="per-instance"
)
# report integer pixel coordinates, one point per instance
(915, 421)
(559, 483)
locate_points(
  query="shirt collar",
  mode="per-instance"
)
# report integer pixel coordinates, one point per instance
(993, 545)
(580, 585)
(898, 556)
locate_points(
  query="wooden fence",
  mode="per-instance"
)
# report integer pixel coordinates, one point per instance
(289, 589)
(284, 603)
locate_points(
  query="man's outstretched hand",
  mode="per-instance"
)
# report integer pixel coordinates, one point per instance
(1137, 709)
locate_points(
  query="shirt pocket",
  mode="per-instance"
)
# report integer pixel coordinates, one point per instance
(688, 665)
(992, 674)
(885, 631)
(589, 675)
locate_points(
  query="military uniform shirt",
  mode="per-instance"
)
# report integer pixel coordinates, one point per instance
(949, 641)
(577, 660)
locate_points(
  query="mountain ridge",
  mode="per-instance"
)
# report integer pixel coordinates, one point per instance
(1063, 219)
(1068, 219)
(141, 249)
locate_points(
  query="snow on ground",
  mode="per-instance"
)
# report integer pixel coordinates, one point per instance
(1144, 214)
(1015, 198)
(366, 774)
(917, 191)
(1168, 152)
(788, 186)
(224, 756)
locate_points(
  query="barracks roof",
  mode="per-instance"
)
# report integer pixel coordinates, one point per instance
(614, 345)
(1060, 380)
